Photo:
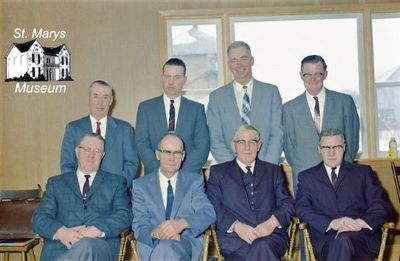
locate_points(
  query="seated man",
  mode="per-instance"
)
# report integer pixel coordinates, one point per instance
(83, 212)
(252, 202)
(170, 208)
(343, 203)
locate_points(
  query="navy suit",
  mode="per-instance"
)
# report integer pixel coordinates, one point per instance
(151, 126)
(107, 208)
(300, 141)
(356, 194)
(226, 191)
(265, 114)
(190, 203)
(121, 153)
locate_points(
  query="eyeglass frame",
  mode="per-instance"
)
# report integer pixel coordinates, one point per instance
(318, 75)
(91, 150)
(252, 142)
(335, 148)
(170, 153)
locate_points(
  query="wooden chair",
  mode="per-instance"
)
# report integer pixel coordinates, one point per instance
(211, 247)
(289, 254)
(396, 175)
(127, 249)
(310, 251)
(16, 209)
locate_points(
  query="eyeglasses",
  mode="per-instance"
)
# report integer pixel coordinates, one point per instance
(330, 148)
(246, 142)
(90, 150)
(170, 153)
(313, 75)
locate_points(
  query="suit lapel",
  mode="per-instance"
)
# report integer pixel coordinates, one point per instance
(97, 182)
(305, 110)
(180, 192)
(322, 175)
(71, 181)
(159, 111)
(153, 188)
(256, 102)
(86, 126)
(341, 174)
(110, 132)
(182, 115)
(328, 109)
(232, 106)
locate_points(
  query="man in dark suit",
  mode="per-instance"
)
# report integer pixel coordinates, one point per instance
(120, 148)
(343, 203)
(252, 202)
(172, 113)
(83, 212)
(171, 210)
(244, 101)
(316, 109)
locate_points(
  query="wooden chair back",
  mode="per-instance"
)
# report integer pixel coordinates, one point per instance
(396, 176)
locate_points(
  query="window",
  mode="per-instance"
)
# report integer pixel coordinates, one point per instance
(198, 44)
(386, 46)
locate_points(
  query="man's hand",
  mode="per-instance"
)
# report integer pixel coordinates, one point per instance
(345, 224)
(170, 229)
(245, 232)
(68, 236)
(90, 231)
(267, 227)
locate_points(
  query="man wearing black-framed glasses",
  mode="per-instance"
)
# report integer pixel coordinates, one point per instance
(343, 204)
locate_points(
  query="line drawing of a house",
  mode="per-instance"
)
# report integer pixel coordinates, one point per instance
(32, 61)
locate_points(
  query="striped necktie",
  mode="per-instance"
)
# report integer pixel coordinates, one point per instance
(317, 115)
(171, 122)
(245, 107)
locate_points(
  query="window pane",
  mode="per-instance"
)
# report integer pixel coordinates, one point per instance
(279, 43)
(197, 45)
(386, 35)
(388, 116)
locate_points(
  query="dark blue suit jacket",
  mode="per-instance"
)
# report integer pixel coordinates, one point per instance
(107, 208)
(226, 191)
(357, 194)
(151, 126)
(120, 147)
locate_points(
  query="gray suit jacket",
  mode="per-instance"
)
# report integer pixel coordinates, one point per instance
(190, 202)
(151, 126)
(224, 119)
(301, 137)
(121, 153)
(107, 208)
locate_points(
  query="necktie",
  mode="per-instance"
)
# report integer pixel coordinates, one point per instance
(248, 170)
(317, 115)
(171, 122)
(86, 188)
(98, 130)
(170, 200)
(245, 107)
(333, 176)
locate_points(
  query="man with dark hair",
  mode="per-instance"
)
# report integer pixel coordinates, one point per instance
(343, 204)
(244, 101)
(172, 113)
(171, 208)
(251, 200)
(316, 109)
(83, 211)
(120, 148)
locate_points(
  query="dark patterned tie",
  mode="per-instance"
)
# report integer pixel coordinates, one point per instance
(98, 130)
(170, 201)
(333, 176)
(245, 107)
(86, 188)
(171, 122)
(317, 115)
(248, 170)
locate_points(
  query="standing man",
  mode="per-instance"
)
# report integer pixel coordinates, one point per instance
(244, 101)
(252, 202)
(316, 109)
(83, 211)
(170, 208)
(120, 148)
(343, 204)
(172, 113)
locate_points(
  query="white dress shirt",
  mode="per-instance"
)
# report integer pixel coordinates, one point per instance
(167, 103)
(164, 185)
(103, 125)
(321, 100)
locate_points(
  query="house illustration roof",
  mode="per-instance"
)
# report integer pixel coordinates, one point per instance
(53, 51)
(23, 47)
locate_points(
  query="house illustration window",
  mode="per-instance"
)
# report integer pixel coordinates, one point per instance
(33, 72)
(33, 58)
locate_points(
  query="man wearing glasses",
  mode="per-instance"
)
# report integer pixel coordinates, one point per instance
(171, 210)
(83, 211)
(172, 113)
(252, 202)
(316, 109)
(343, 204)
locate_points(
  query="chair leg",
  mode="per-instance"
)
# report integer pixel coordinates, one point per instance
(31, 255)
(122, 249)
(383, 244)
(6, 256)
(216, 244)
(206, 246)
(24, 257)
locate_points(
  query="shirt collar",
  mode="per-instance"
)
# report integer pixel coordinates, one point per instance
(164, 179)
(103, 120)
(81, 175)
(243, 166)
(167, 100)
(239, 87)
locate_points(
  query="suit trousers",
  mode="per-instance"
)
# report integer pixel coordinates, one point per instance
(88, 249)
(265, 248)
